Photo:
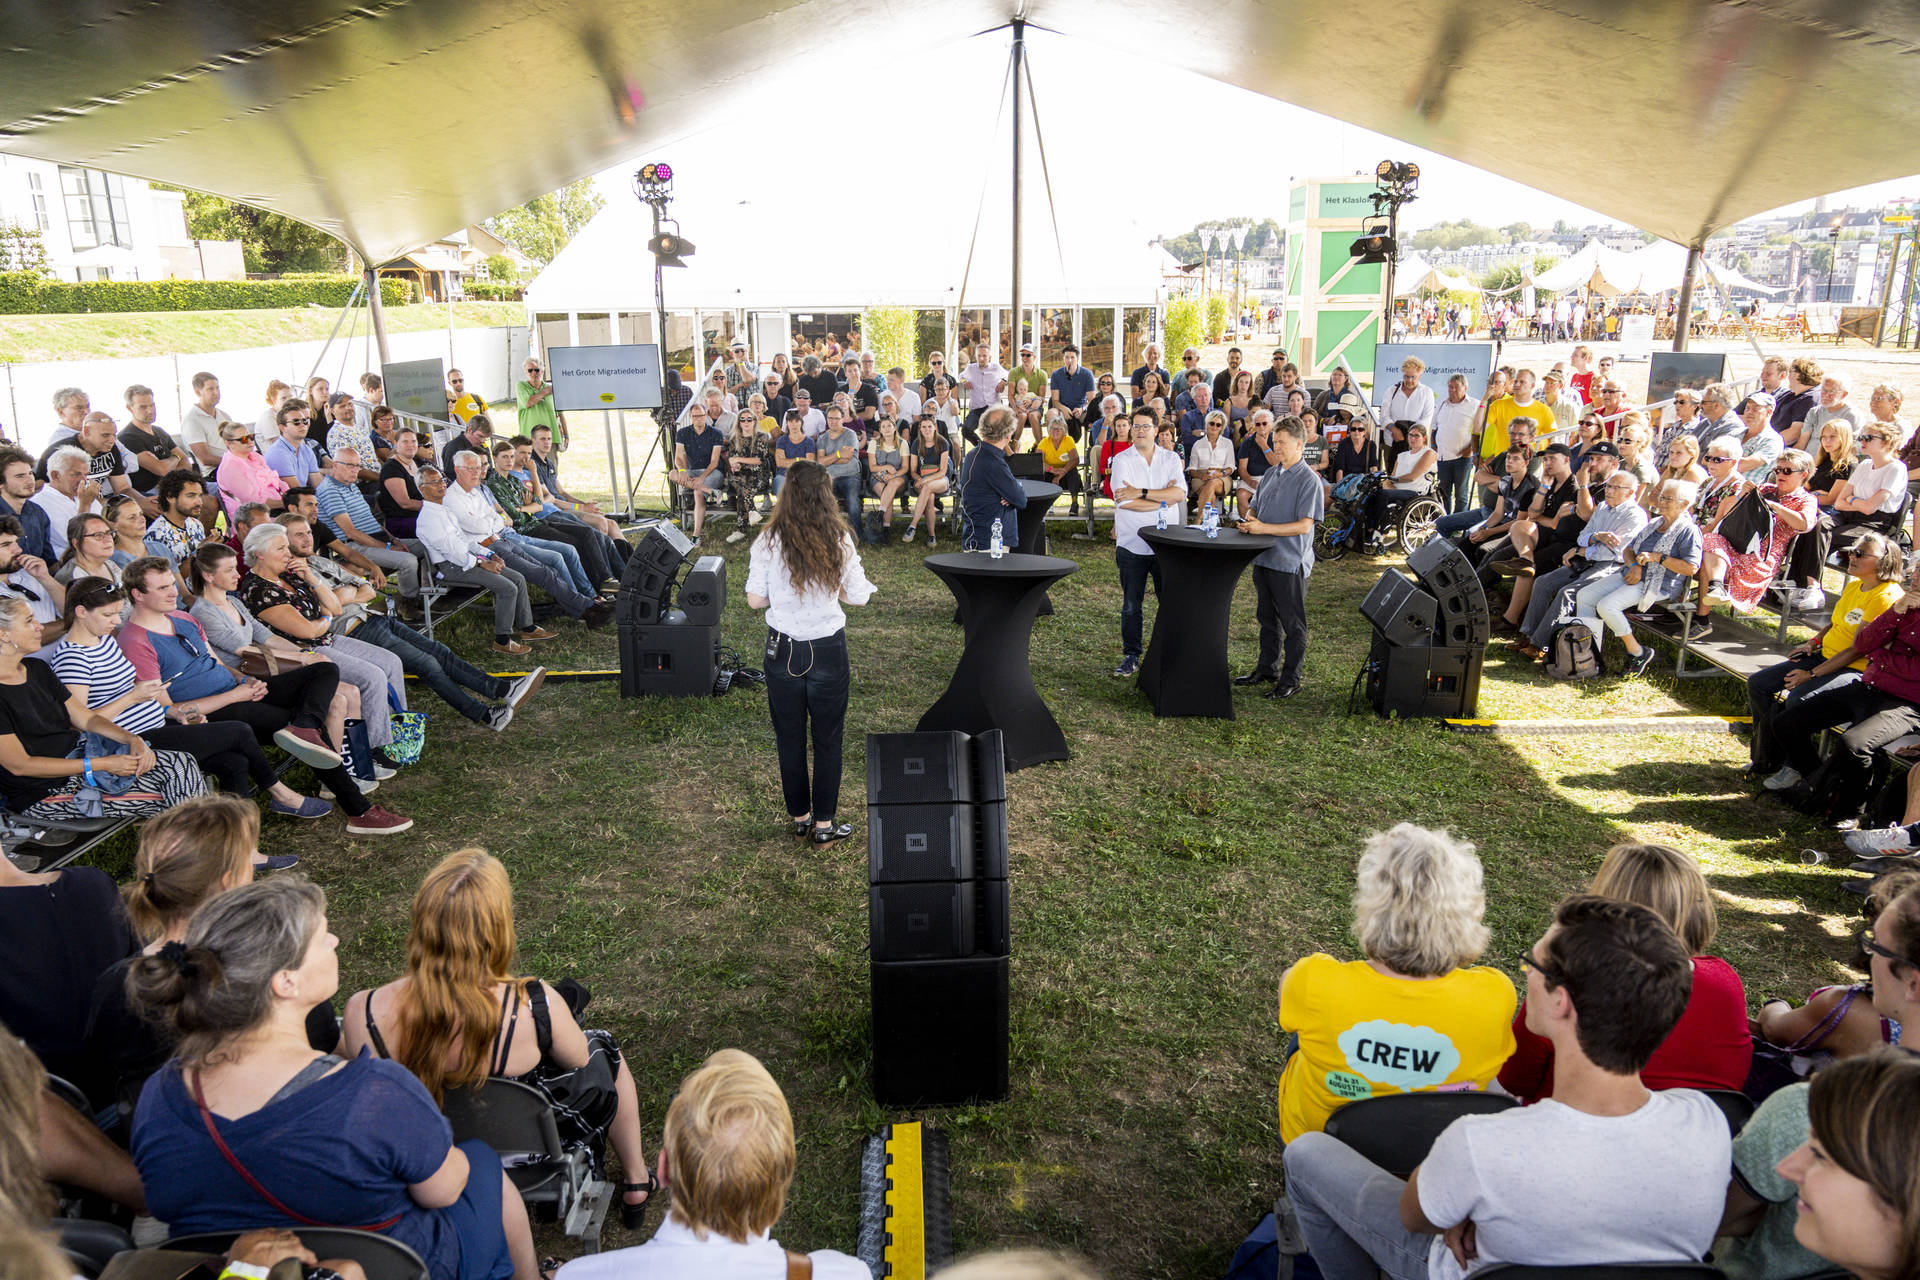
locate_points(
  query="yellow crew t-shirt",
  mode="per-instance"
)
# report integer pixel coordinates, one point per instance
(1365, 1035)
(1857, 607)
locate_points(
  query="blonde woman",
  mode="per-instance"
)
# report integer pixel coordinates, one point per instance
(1419, 903)
(1711, 1047)
(1835, 461)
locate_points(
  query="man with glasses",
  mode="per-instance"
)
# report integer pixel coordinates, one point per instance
(1190, 364)
(1535, 609)
(339, 502)
(1683, 417)
(739, 375)
(936, 370)
(461, 403)
(1760, 444)
(1716, 415)
(293, 457)
(777, 400)
(1609, 1171)
(813, 421)
(534, 398)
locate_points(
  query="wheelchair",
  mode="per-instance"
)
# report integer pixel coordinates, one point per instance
(1408, 524)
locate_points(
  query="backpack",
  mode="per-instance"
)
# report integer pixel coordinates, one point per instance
(1573, 655)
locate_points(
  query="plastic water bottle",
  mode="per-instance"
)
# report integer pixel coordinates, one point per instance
(996, 546)
(1210, 519)
(1161, 519)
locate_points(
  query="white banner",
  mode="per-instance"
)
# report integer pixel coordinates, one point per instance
(1636, 337)
(605, 377)
(1443, 360)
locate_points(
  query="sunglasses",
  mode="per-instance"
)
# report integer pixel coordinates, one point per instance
(1871, 945)
(247, 439)
(298, 422)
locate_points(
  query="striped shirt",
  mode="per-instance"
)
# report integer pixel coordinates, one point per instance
(107, 674)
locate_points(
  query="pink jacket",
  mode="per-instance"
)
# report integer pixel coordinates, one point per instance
(247, 479)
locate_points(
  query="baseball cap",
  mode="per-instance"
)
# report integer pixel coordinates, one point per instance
(1560, 449)
(1604, 449)
(1026, 348)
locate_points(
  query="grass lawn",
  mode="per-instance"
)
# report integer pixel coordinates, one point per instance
(108, 335)
(1162, 879)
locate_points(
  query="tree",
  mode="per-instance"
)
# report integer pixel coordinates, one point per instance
(1820, 259)
(501, 267)
(1515, 232)
(269, 241)
(1184, 324)
(1743, 263)
(541, 227)
(23, 249)
(1452, 235)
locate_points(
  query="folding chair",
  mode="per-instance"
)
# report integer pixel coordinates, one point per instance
(381, 1257)
(28, 838)
(516, 1120)
(70, 1094)
(89, 1245)
(1607, 1271)
(1397, 1131)
(1736, 1106)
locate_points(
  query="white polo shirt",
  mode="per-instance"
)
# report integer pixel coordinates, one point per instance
(1130, 469)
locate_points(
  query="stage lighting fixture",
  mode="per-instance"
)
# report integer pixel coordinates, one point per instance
(653, 182)
(669, 248)
(1374, 247)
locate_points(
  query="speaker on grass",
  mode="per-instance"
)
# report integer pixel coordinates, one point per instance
(1400, 610)
(703, 592)
(940, 1031)
(1446, 573)
(936, 842)
(924, 920)
(671, 658)
(920, 768)
(664, 547)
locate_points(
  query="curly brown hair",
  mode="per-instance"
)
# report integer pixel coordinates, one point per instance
(808, 529)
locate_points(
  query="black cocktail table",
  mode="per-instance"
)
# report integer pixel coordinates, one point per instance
(992, 685)
(1185, 670)
(1041, 495)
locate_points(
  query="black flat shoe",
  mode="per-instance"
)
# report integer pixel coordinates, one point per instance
(828, 835)
(1255, 677)
(634, 1216)
(1285, 689)
(799, 826)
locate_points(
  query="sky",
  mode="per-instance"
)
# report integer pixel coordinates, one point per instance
(1085, 126)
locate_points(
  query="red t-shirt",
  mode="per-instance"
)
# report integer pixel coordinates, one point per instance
(1582, 384)
(1711, 1047)
(1111, 445)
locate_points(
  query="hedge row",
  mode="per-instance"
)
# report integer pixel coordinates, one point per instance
(494, 291)
(25, 293)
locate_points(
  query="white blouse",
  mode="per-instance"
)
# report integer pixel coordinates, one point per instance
(813, 614)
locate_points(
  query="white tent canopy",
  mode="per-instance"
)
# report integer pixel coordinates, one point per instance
(383, 121)
(1414, 274)
(1595, 267)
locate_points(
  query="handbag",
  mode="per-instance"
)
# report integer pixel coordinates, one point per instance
(356, 750)
(1747, 524)
(409, 731)
(90, 796)
(258, 661)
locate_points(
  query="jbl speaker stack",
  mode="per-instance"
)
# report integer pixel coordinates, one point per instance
(668, 651)
(937, 916)
(1429, 636)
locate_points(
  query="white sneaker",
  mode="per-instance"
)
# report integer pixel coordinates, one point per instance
(1718, 595)
(1780, 781)
(753, 517)
(1808, 598)
(1879, 840)
(736, 536)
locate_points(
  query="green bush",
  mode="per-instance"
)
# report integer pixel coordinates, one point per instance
(1184, 328)
(494, 291)
(1216, 316)
(24, 293)
(888, 332)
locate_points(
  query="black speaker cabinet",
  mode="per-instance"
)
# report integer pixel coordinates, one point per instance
(940, 1031)
(935, 768)
(1400, 610)
(1424, 680)
(671, 658)
(664, 547)
(936, 842)
(703, 592)
(937, 919)
(1449, 576)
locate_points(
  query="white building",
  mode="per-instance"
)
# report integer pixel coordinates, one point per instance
(102, 226)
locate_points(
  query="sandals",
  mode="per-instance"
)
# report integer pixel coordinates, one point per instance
(827, 835)
(634, 1216)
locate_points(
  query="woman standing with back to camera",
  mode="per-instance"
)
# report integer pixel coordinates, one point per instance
(801, 570)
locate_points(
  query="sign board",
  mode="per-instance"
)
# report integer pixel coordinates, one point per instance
(519, 347)
(1671, 370)
(1636, 337)
(605, 377)
(418, 387)
(1443, 360)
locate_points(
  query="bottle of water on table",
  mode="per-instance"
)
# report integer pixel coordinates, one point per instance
(1210, 519)
(996, 545)
(1160, 520)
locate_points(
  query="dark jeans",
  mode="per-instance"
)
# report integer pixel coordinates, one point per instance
(225, 749)
(846, 490)
(585, 541)
(1281, 606)
(1460, 521)
(807, 683)
(299, 698)
(1455, 486)
(1762, 700)
(616, 550)
(443, 670)
(1876, 718)
(1134, 571)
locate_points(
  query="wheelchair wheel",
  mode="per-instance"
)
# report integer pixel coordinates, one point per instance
(1333, 537)
(1418, 523)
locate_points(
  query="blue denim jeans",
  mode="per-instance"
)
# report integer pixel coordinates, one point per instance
(1455, 487)
(558, 556)
(1134, 571)
(847, 490)
(442, 670)
(1459, 522)
(1349, 1212)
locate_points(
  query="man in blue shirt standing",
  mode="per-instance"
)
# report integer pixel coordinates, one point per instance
(1287, 505)
(989, 490)
(1069, 388)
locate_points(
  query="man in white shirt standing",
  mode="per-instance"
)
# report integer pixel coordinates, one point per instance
(728, 1153)
(1604, 1171)
(1453, 420)
(1147, 482)
(1410, 401)
(986, 382)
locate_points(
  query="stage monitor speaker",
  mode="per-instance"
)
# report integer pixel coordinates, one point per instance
(1400, 610)
(671, 658)
(1445, 571)
(936, 842)
(703, 592)
(935, 768)
(664, 547)
(940, 1031)
(1027, 465)
(1409, 681)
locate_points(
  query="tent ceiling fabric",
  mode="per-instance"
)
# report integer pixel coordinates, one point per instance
(392, 122)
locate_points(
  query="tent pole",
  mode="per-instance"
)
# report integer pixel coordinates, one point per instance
(1019, 55)
(1683, 312)
(1886, 293)
(377, 313)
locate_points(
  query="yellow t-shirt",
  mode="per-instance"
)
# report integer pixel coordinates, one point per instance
(1857, 607)
(1493, 441)
(464, 407)
(1055, 457)
(1364, 1035)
